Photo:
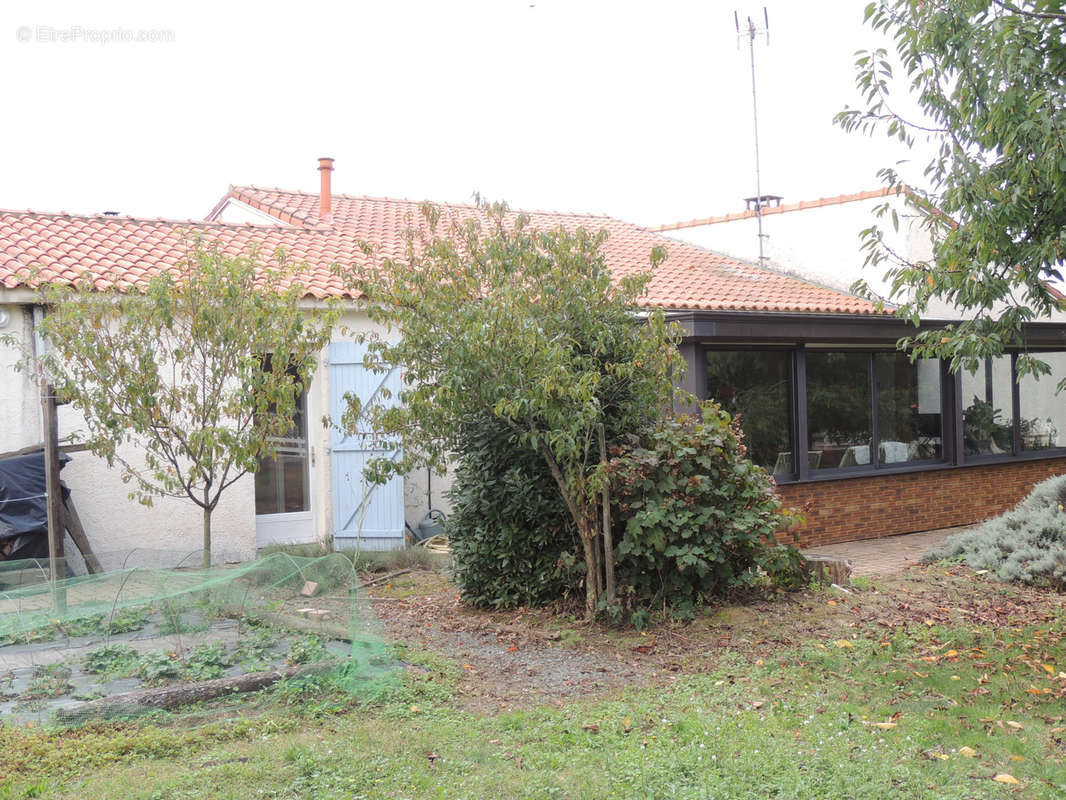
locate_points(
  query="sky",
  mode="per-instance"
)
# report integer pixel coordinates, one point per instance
(640, 110)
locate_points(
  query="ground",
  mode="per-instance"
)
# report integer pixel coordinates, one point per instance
(515, 659)
(931, 682)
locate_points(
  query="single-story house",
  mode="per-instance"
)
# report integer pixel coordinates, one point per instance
(869, 444)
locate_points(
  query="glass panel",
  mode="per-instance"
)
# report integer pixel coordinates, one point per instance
(908, 409)
(838, 409)
(282, 483)
(754, 386)
(987, 418)
(1043, 412)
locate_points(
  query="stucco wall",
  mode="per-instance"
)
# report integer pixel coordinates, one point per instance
(171, 528)
(164, 533)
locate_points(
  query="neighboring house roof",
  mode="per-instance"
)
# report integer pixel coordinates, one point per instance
(63, 247)
(767, 211)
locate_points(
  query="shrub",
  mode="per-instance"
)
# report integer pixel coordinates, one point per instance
(1025, 545)
(511, 537)
(695, 516)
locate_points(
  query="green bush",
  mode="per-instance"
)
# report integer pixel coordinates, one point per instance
(694, 516)
(512, 541)
(1025, 545)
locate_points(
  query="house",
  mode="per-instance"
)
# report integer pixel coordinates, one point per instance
(808, 366)
(868, 443)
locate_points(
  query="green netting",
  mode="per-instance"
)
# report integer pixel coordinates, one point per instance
(138, 639)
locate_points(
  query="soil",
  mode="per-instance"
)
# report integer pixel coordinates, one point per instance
(524, 657)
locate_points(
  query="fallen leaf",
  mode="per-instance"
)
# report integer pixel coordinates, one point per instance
(758, 704)
(842, 643)
(760, 663)
(885, 726)
(967, 752)
(591, 728)
(1050, 669)
(1016, 725)
(627, 724)
(951, 653)
(1006, 777)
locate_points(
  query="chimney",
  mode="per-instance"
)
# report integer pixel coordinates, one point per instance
(325, 167)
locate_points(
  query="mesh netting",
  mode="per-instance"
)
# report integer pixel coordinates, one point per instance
(137, 639)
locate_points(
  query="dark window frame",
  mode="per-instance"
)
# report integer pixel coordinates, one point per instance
(953, 453)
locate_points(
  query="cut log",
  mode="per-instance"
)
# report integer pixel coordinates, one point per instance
(132, 703)
(828, 569)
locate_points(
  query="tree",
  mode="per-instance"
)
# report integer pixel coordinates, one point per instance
(526, 326)
(989, 77)
(200, 371)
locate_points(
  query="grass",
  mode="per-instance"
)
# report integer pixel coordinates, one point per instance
(874, 713)
(414, 557)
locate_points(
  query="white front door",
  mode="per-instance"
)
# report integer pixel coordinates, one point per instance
(283, 488)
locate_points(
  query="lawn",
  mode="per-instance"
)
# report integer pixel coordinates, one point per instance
(937, 684)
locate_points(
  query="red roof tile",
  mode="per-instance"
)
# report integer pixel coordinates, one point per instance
(64, 247)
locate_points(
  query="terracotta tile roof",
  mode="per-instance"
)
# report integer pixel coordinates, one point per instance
(64, 247)
(821, 202)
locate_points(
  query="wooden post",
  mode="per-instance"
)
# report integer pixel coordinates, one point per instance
(54, 491)
(77, 535)
(608, 541)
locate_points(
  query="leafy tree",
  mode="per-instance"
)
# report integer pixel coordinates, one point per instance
(989, 77)
(496, 318)
(178, 369)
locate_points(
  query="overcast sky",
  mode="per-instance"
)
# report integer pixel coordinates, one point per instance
(641, 110)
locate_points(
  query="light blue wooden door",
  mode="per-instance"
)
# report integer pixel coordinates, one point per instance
(372, 514)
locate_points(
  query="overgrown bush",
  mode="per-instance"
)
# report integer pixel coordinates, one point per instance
(695, 516)
(511, 538)
(1025, 545)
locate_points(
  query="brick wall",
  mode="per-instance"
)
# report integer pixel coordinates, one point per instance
(872, 507)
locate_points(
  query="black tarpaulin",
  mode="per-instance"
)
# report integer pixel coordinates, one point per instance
(23, 506)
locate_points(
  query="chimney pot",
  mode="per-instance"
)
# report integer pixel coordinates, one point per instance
(325, 194)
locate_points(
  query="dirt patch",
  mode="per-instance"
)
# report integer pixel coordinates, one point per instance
(527, 657)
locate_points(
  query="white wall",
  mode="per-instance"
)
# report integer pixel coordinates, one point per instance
(164, 533)
(173, 526)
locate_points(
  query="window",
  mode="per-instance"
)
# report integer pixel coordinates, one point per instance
(867, 411)
(987, 415)
(755, 386)
(909, 413)
(838, 409)
(844, 428)
(282, 483)
(1042, 410)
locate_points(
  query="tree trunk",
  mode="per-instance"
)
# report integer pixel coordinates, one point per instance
(608, 541)
(132, 703)
(579, 513)
(207, 537)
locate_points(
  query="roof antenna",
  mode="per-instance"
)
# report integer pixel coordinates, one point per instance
(750, 31)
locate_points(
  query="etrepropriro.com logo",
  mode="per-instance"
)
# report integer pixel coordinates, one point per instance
(80, 34)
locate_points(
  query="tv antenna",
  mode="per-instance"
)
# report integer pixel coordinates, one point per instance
(750, 31)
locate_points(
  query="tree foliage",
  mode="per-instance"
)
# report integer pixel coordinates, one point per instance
(698, 518)
(989, 78)
(177, 369)
(512, 541)
(494, 317)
